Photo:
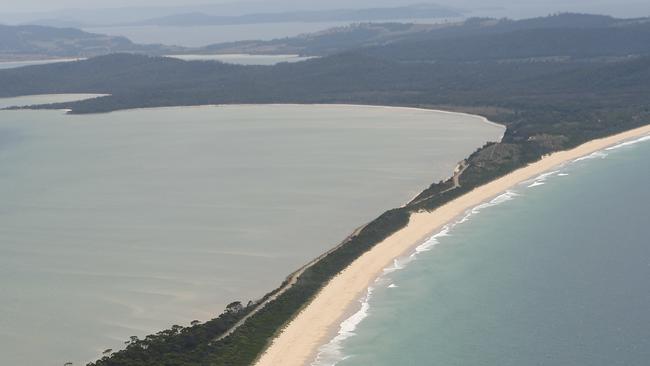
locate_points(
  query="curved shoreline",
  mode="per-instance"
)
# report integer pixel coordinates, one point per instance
(378, 106)
(299, 341)
(429, 117)
(292, 278)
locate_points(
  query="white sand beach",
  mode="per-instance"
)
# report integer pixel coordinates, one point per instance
(298, 343)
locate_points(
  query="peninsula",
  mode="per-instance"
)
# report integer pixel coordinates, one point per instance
(298, 342)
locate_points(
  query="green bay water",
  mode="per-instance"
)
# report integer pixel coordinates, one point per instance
(121, 224)
(555, 272)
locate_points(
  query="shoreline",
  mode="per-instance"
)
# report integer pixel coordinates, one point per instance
(426, 115)
(41, 61)
(351, 105)
(299, 342)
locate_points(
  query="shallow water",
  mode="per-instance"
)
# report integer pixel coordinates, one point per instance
(122, 224)
(555, 272)
(15, 64)
(244, 59)
(43, 99)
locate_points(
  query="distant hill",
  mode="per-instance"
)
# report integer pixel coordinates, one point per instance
(381, 34)
(429, 41)
(41, 42)
(421, 11)
(327, 42)
(534, 44)
(487, 62)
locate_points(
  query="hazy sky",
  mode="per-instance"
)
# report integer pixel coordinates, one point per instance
(616, 7)
(46, 5)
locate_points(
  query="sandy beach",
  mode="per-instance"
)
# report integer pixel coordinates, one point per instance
(298, 343)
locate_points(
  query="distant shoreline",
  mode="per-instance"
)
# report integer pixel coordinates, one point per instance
(300, 340)
(39, 61)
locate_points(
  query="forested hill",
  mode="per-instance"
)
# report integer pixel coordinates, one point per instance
(545, 44)
(115, 73)
(601, 59)
(41, 42)
(380, 34)
(602, 65)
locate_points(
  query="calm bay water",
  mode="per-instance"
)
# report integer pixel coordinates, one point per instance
(556, 272)
(15, 64)
(42, 99)
(244, 59)
(122, 224)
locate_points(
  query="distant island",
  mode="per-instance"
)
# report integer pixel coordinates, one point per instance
(556, 82)
(34, 42)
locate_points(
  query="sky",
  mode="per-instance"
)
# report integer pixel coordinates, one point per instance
(47, 5)
(537, 7)
(12, 6)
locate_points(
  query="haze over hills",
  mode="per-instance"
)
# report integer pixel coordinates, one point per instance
(41, 42)
(71, 12)
(378, 34)
(486, 68)
(226, 14)
(368, 14)
(36, 42)
(45, 39)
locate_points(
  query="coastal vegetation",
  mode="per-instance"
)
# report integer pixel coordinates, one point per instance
(553, 84)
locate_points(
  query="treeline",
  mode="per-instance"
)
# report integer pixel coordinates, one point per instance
(195, 345)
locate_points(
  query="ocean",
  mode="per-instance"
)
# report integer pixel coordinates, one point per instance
(125, 223)
(553, 272)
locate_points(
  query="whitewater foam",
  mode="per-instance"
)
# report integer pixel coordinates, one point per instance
(331, 353)
(598, 154)
(540, 179)
(628, 143)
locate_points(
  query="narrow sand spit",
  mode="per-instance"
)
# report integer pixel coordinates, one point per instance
(298, 343)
